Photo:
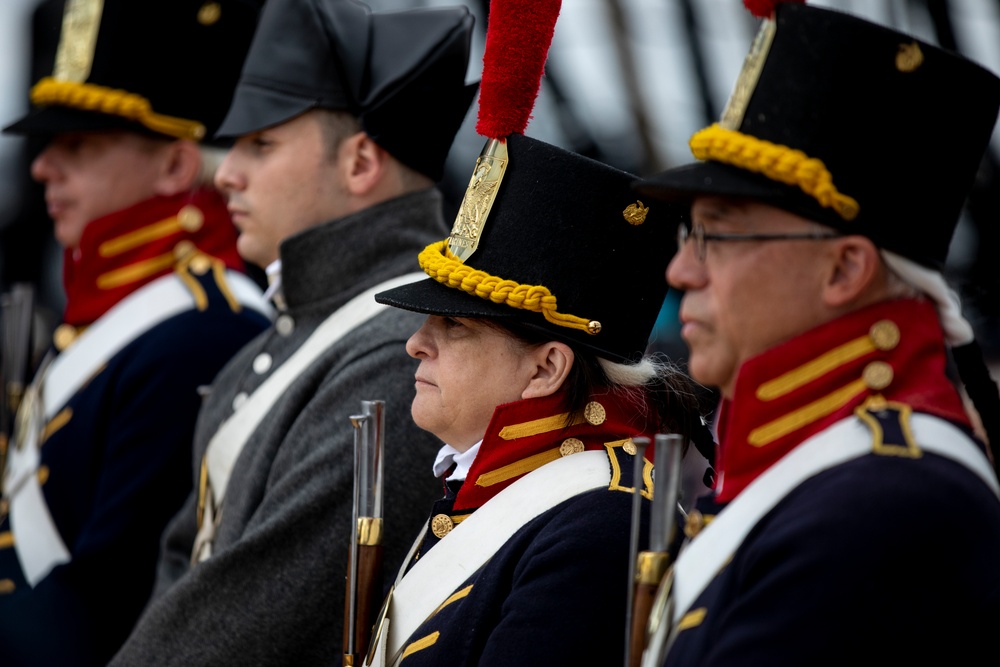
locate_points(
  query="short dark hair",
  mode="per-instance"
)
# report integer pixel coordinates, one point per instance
(336, 126)
(678, 399)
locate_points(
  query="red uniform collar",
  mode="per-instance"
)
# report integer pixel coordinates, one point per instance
(893, 350)
(525, 435)
(122, 251)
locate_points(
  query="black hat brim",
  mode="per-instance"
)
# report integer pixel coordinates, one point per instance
(683, 184)
(432, 298)
(255, 108)
(48, 121)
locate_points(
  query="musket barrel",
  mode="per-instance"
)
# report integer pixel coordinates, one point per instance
(651, 566)
(364, 561)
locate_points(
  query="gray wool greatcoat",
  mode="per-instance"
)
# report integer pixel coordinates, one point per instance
(272, 593)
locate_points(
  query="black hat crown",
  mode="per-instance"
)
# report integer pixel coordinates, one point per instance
(566, 249)
(402, 74)
(851, 124)
(165, 68)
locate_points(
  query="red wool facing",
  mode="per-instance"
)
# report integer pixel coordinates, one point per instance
(518, 36)
(764, 9)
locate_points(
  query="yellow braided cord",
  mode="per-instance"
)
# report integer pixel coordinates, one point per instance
(90, 97)
(777, 162)
(440, 264)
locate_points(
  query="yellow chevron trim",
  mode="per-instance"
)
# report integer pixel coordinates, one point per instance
(538, 426)
(141, 236)
(818, 367)
(135, 272)
(420, 644)
(454, 597)
(517, 468)
(56, 423)
(692, 619)
(197, 291)
(793, 421)
(219, 271)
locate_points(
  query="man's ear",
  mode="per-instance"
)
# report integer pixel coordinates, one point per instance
(364, 164)
(552, 363)
(854, 271)
(179, 167)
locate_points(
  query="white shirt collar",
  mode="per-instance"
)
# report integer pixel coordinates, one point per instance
(273, 290)
(448, 455)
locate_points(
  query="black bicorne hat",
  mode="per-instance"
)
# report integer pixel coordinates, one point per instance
(565, 248)
(850, 124)
(167, 68)
(402, 74)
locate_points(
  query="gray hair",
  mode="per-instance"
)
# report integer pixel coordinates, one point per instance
(912, 279)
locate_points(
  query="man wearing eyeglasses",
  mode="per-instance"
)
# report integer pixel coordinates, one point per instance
(855, 518)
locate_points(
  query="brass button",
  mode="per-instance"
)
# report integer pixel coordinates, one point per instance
(63, 336)
(909, 57)
(594, 413)
(877, 375)
(884, 335)
(570, 446)
(209, 13)
(200, 265)
(441, 525)
(630, 447)
(43, 474)
(635, 214)
(183, 249)
(695, 522)
(593, 327)
(190, 218)
(7, 586)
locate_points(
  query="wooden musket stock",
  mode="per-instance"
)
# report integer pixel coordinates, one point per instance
(366, 605)
(650, 568)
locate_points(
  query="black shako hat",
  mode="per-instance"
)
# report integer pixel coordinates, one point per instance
(164, 68)
(565, 248)
(544, 237)
(401, 73)
(850, 124)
